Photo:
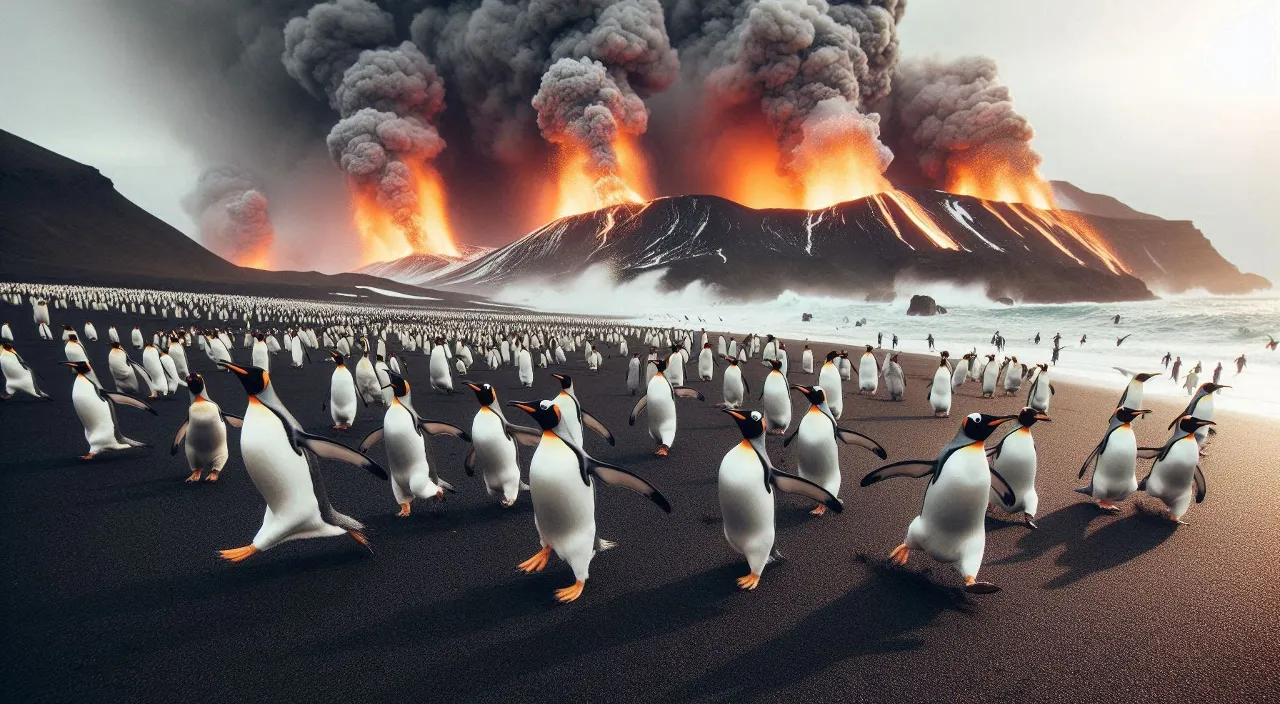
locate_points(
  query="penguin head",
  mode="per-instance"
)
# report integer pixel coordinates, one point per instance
(1028, 416)
(195, 383)
(776, 364)
(80, 368)
(1209, 387)
(1190, 424)
(72, 338)
(398, 384)
(991, 358)
(546, 413)
(942, 362)
(115, 345)
(337, 357)
(980, 426)
(1144, 376)
(814, 394)
(870, 348)
(484, 392)
(1128, 415)
(751, 423)
(260, 337)
(566, 382)
(732, 361)
(255, 380)
(832, 355)
(661, 364)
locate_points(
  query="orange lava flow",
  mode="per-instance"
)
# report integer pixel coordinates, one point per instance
(921, 219)
(744, 157)
(383, 237)
(837, 173)
(259, 258)
(577, 191)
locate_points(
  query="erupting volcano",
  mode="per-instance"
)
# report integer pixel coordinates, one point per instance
(385, 236)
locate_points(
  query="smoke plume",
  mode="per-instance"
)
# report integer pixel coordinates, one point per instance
(319, 47)
(231, 211)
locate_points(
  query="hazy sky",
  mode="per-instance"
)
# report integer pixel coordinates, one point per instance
(1172, 106)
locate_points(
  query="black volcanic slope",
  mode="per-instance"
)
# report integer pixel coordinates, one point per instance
(64, 222)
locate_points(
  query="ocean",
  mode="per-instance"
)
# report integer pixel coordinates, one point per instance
(1198, 328)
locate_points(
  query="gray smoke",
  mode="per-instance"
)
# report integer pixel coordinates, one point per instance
(497, 54)
(580, 104)
(949, 111)
(231, 211)
(319, 47)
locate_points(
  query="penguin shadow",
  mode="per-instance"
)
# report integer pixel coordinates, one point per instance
(146, 489)
(1066, 525)
(880, 615)
(630, 617)
(793, 515)
(434, 516)
(883, 419)
(1113, 545)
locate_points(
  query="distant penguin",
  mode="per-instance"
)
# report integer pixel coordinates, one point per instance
(278, 456)
(90, 332)
(660, 400)
(960, 374)
(734, 384)
(940, 391)
(817, 457)
(990, 373)
(1115, 468)
(155, 370)
(296, 351)
(203, 436)
(525, 365)
(1201, 407)
(895, 381)
(829, 379)
(745, 487)
(951, 526)
(775, 398)
(1013, 372)
(561, 487)
(1014, 458)
(493, 446)
(342, 393)
(868, 373)
(403, 431)
(96, 409)
(633, 374)
(1176, 475)
(706, 363)
(441, 379)
(367, 377)
(806, 360)
(135, 338)
(19, 377)
(674, 371)
(1041, 391)
(1133, 392)
(260, 355)
(844, 366)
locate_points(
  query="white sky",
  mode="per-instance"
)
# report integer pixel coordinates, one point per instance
(1172, 106)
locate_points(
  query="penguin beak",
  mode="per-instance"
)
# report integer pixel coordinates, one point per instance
(802, 389)
(1043, 417)
(1000, 420)
(68, 363)
(234, 368)
(1143, 412)
(1202, 422)
(473, 386)
(734, 413)
(559, 377)
(524, 406)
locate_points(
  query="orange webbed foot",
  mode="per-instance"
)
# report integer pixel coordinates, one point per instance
(570, 593)
(404, 510)
(749, 582)
(818, 510)
(900, 554)
(194, 476)
(663, 451)
(360, 538)
(213, 476)
(537, 562)
(238, 554)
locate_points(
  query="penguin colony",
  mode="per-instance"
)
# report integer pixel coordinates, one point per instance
(974, 474)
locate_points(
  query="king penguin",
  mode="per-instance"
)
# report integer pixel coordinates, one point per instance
(940, 391)
(342, 394)
(20, 377)
(1176, 475)
(493, 446)
(829, 379)
(734, 384)
(776, 399)
(868, 373)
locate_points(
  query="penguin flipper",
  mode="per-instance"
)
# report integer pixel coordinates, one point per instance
(599, 428)
(617, 476)
(792, 436)
(233, 420)
(469, 464)
(371, 439)
(1149, 453)
(1201, 486)
(1085, 467)
(800, 486)
(999, 484)
(524, 435)
(746, 388)
(179, 437)
(439, 427)
(640, 405)
(919, 469)
(330, 450)
(122, 399)
(850, 437)
(686, 392)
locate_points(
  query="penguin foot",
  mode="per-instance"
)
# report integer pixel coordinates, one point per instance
(213, 476)
(1178, 520)
(1026, 518)
(1108, 506)
(194, 476)
(507, 503)
(900, 554)
(360, 538)
(818, 510)
(404, 511)
(973, 586)
(342, 426)
(749, 582)
(238, 554)
(663, 451)
(537, 562)
(570, 593)
(87, 457)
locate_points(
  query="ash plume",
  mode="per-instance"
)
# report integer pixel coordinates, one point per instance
(319, 47)
(947, 112)
(231, 211)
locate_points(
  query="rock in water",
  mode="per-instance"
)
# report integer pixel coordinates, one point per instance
(923, 305)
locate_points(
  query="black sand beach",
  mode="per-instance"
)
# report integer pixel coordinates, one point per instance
(114, 590)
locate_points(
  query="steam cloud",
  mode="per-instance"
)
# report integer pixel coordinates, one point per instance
(231, 211)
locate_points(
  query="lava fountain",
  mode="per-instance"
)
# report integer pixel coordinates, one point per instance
(384, 236)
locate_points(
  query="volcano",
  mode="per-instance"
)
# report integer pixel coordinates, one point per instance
(1102, 252)
(419, 268)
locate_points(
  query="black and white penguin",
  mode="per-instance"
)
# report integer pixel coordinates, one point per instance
(734, 384)
(20, 377)
(96, 408)
(775, 398)
(660, 399)
(1201, 406)
(1176, 475)
(575, 416)
(493, 446)
(817, 457)
(1014, 458)
(203, 435)
(1115, 469)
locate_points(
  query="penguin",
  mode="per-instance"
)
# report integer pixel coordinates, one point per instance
(633, 374)
(1014, 458)
(493, 446)
(734, 384)
(6, 333)
(1176, 475)
(674, 370)
(367, 377)
(278, 456)
(575, 416)
(829, 379)
(1115, 469)
(96, 408)
(1042, 391)
(660, 399)
(817, 457)
(204, 434)
(951, 526)
(561, 487)
(20, 377)
(126, 372)
(1201, 406)
(868, 373)
(155, 370)
(525, 364)
(1013, 372)
(260, 356)
(297, 352)
(73, 350)
(940, 391)
(1133, 392)
(412, 476)
(776, 399)
(706, 363)
(170, 371)
(383, 373)
(90, 332)
(895, 380)
(806, 360)
(990, 373)
(745, 487)
(342, 394)
(441, 379)
(960, 374)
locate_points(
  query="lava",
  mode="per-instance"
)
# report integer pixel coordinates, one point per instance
(578, 191)
(915, 214)
(259, 258)
(383, 236)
